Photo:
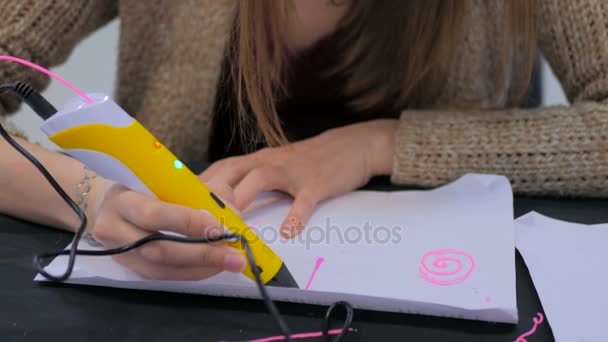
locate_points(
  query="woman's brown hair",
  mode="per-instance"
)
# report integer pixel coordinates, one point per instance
(396, 55)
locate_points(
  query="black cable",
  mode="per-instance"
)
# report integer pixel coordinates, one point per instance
(347, 321)
(33, 99)
(66, 198)
(46, 110)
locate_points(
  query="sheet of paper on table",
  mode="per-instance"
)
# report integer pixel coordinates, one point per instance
(567, 262)
(444, 252)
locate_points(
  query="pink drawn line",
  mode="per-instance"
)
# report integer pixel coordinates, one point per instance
(536, 321)
(441, 263)
(297, 336)
(49, 73)
(320, 260)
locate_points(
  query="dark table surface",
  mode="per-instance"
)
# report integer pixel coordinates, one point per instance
(31, 311)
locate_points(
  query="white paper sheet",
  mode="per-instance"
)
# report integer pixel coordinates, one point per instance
(567, 262)
(373, 244)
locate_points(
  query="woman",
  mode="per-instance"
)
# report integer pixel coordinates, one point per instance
(314, 97)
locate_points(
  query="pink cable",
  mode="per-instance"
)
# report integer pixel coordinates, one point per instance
(538, 319)
(49, 73)
(298, 336)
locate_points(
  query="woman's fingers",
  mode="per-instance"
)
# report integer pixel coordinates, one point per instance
(126, 216)
(212, 170)
(196, 255)
(253, 174)
(302, 207)
(147, 216)
(171, 253)
(229, 171)
(153, 215)
(257, 181)
(152, 270)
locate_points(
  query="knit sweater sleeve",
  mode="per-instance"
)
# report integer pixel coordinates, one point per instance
(44, 32)
(558, 150)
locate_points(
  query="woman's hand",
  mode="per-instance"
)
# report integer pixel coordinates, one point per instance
(121, 216)
(334, 162)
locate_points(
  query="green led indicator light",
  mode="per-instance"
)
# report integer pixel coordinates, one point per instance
(178, 164)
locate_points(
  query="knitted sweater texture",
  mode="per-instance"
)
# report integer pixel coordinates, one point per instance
(171, 52)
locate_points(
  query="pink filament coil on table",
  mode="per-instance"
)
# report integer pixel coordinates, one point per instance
(536, 320)
(446, 266)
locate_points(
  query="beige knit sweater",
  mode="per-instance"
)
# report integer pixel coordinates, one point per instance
(171, 52)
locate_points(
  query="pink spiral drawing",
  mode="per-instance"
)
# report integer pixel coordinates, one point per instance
(446, 266)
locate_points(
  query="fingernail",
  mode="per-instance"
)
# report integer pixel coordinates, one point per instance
(296, 231)
(234, 262)
(285, 232)
(289, 232)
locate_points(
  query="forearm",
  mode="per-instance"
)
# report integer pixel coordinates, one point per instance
(26, 194)
(549, 151)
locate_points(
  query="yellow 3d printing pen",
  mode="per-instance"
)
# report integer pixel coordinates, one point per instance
(113, 144)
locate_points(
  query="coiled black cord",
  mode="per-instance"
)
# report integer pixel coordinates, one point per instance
(45, 110)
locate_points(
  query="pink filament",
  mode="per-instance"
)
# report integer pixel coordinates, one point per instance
(49, 73)
(537, 321)
(320, 260)
(442, 263)
(298, 336)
